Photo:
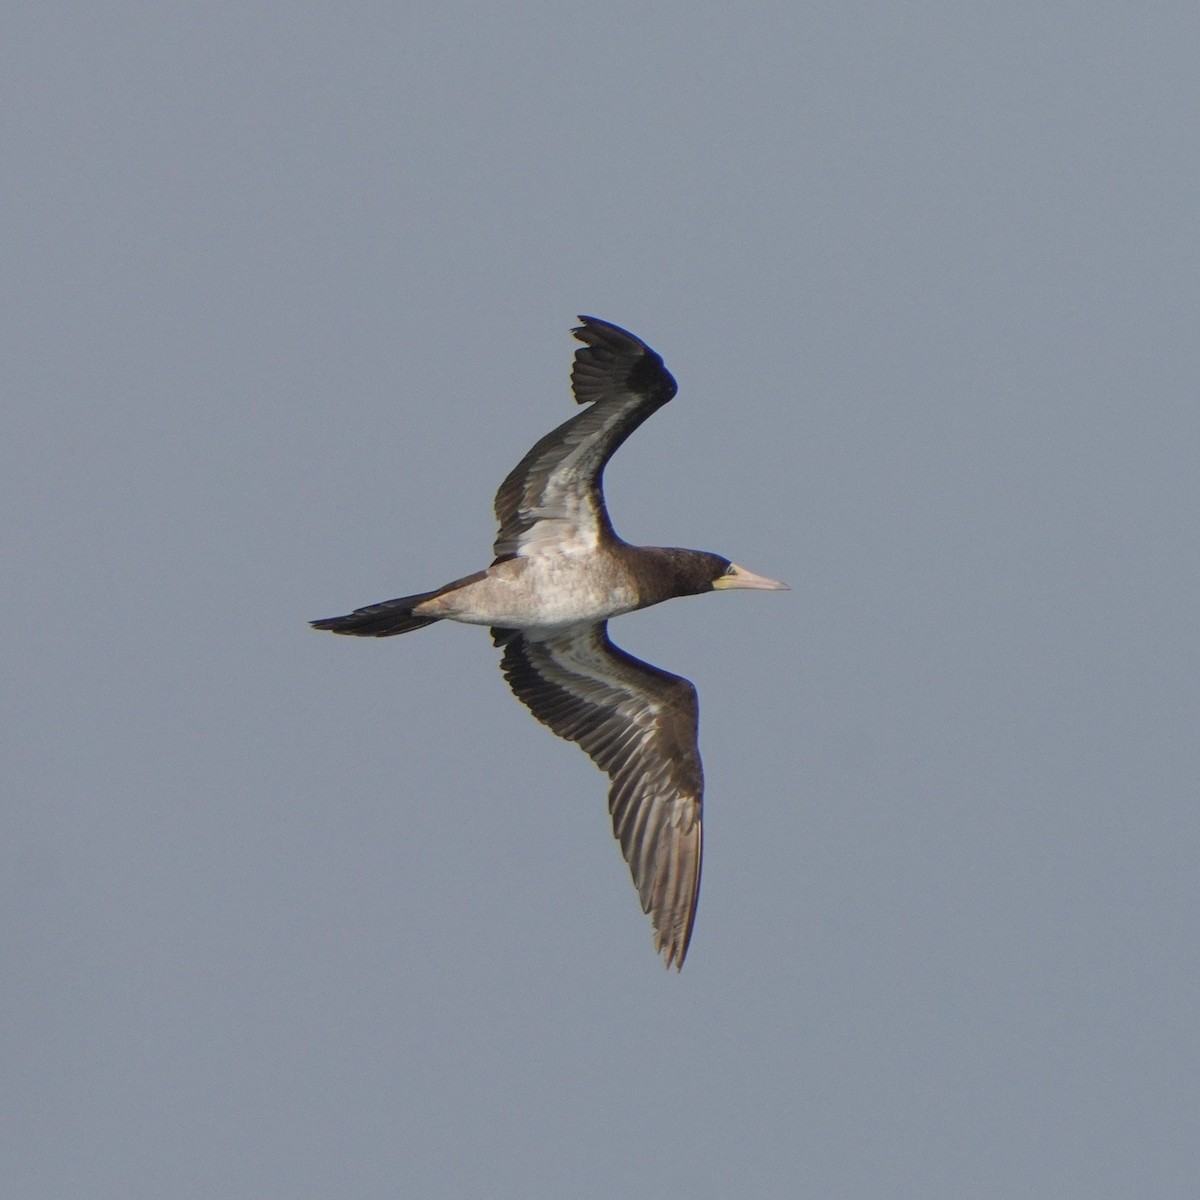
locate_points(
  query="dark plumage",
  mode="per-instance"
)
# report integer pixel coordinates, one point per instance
(559, 574)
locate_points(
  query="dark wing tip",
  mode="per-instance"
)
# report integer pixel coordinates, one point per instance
(672, 938)
(614, 362)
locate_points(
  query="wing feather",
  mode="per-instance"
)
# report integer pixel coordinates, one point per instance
(638, 724)
(554, 496)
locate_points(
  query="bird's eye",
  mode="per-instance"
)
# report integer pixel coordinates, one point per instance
(731, 569)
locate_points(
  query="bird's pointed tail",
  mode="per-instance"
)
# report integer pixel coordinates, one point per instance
(389, 617)
(379, 620)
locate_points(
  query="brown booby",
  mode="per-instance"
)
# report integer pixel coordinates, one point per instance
(560, 573)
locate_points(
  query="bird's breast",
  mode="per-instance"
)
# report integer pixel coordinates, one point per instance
(542, 591)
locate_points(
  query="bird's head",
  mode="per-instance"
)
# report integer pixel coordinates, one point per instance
(692, 572)
(726, 574)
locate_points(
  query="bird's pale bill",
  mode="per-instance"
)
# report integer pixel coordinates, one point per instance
(739, 577)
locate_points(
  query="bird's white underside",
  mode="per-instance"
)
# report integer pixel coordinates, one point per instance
(534, 591)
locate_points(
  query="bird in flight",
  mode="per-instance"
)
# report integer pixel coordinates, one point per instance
(559, 575)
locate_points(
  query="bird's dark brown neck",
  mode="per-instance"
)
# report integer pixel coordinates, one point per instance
(662, 573)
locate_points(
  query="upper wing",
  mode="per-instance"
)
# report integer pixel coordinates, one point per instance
(554, 493)
(638, 724)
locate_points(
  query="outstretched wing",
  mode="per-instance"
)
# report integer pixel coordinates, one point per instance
(555, 494)
(638, 724)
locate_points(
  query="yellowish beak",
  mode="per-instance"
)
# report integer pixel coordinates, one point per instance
(739, 577)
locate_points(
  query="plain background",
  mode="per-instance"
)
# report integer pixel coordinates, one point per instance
(288, 291)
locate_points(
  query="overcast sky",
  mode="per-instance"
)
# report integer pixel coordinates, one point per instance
(288, 292)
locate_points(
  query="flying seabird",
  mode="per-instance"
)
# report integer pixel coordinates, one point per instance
(560, 574)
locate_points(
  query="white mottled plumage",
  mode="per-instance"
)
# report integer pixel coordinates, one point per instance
(538, 589)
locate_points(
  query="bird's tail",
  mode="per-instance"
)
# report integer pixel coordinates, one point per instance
(389, 617)
(380, 620)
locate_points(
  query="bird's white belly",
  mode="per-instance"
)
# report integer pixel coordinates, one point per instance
(536, 592)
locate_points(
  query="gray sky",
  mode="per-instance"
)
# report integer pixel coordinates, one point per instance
(288, 293)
